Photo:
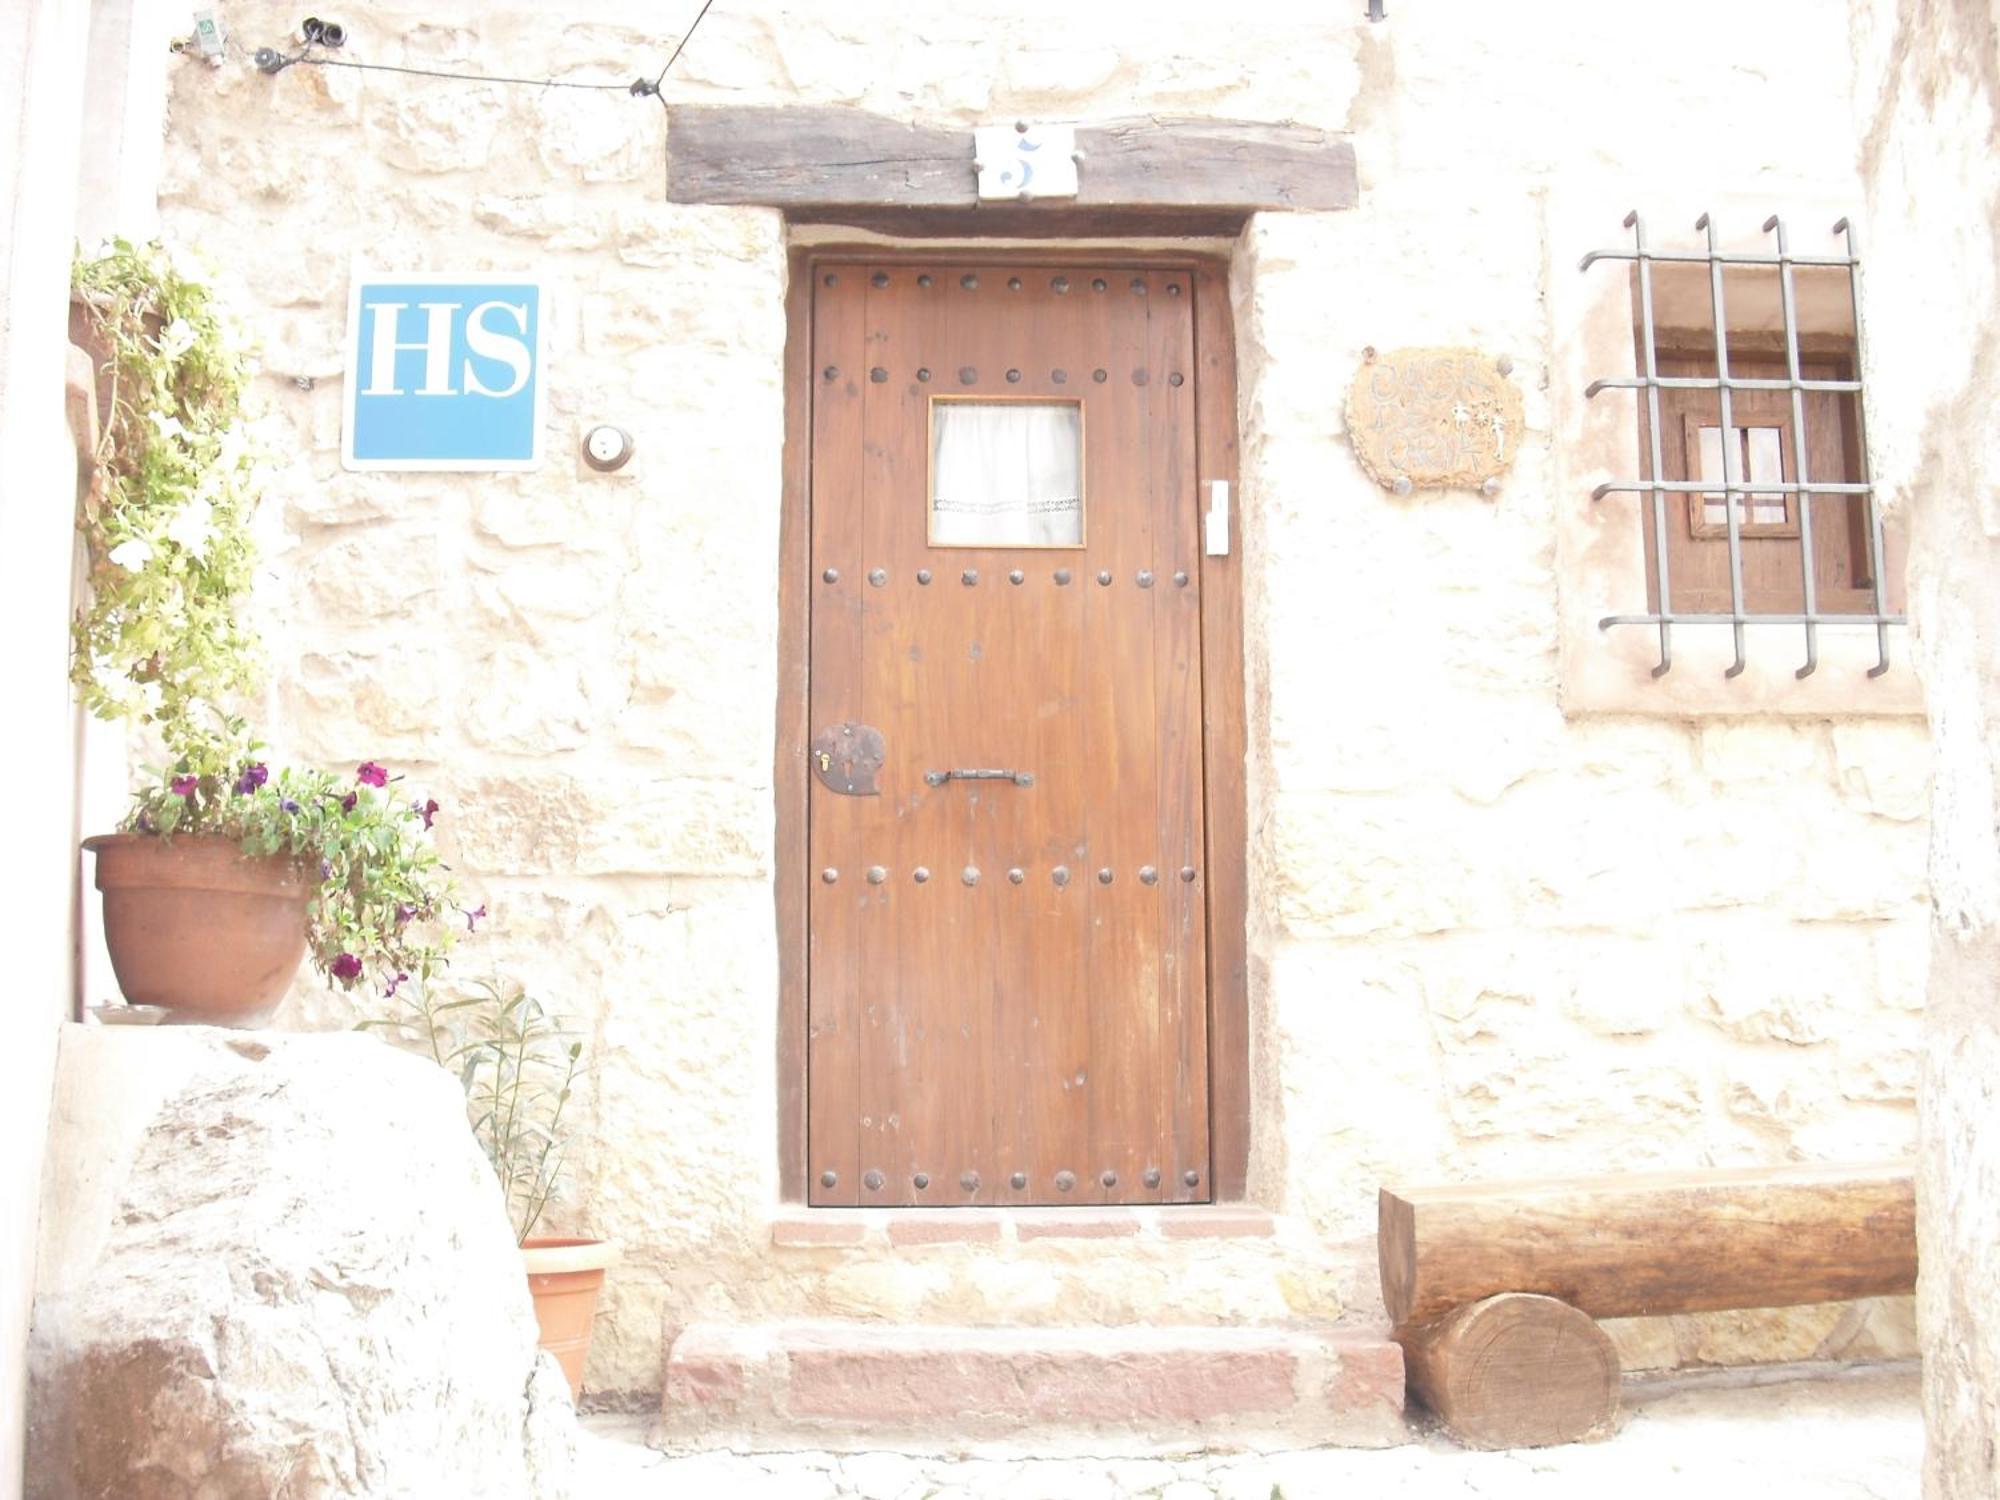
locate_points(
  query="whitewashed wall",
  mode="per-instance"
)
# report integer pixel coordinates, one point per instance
(1928, 91)
(43, 49)
(1487, 937)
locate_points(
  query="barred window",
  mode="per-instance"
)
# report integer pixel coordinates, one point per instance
(1754, 501)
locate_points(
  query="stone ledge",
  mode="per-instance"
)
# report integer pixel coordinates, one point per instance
(948, 1228)
(1138, 1389)
(1218, 1224)
(1068, 1224)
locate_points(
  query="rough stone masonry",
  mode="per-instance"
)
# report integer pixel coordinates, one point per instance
(1490, 935)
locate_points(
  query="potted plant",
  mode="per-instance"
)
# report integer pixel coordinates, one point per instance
(518, 1066)
(222, 877)
(225, 877)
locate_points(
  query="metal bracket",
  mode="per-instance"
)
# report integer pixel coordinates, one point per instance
(1215, 525)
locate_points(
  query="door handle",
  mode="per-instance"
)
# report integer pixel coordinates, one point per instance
(1019, 778)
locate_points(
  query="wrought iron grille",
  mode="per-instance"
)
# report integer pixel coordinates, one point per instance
(1736, 486)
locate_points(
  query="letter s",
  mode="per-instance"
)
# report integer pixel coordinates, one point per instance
(488, 343)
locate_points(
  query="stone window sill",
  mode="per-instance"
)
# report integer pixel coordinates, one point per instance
(907, 1229)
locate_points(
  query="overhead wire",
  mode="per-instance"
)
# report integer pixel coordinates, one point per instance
(270, 60)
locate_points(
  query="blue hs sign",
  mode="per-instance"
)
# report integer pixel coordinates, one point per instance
(445, 371)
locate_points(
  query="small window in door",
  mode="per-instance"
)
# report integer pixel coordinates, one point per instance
(1006, 473)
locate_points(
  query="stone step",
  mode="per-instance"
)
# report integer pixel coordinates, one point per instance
(847, 1387)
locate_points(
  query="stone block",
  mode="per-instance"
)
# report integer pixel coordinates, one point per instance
(439, 130)
(1756, 1335)
(596, 137)
(530, 823)
(375, 573)
(1110, 1224)
(558, 223)
(285, 1267)
(1216, 1224)
(952, 1228)
(520, 699)
(1884, 768)
(815, 1231)
(1126, 1390)
(381, 700)
(689, 826)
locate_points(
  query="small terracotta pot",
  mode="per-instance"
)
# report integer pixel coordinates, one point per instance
(199, 928)
(565, 1276)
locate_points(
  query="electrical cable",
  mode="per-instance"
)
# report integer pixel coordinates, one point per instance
(270, 60)
(539, 83)
(678, 50)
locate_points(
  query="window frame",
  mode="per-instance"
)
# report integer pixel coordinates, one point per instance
(1599, 565)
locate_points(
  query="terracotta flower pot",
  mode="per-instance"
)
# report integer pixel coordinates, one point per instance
(565, 1276)
(199, 928)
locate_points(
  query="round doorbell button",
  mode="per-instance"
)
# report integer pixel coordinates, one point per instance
(606, 447)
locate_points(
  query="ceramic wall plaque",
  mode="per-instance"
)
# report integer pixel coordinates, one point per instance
(1434, 419)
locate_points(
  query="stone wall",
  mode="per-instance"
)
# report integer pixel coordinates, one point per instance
(1488, 936)
(1927, 84)
(42, 59)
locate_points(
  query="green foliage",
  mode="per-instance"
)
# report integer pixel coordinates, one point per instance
(383, 913)
(167, 520)
(517, 1065)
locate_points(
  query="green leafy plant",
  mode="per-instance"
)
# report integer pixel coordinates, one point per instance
(517, 1065)
(385, 910)
(166, 522)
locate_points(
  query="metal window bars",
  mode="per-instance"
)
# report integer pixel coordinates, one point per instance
(1735, 484)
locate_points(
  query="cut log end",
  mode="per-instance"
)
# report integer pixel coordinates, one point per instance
(1514, 1371)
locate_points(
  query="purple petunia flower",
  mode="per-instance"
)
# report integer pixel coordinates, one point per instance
(394, 985)
(146, 823)
(326, 869)
(252, 778)
(288, 805)
(425, 810)
(472, 917)
(371, 774)
(347, 802)
(347, 968)
(404, 911)
(186, 786)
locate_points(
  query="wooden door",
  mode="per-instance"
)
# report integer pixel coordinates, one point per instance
(1007, 996)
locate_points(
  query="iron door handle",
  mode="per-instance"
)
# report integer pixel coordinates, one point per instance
(1019, 778)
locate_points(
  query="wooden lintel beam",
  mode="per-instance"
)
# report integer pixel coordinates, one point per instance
(819, 157)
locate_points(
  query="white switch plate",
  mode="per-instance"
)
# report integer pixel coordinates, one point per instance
(1215, 525)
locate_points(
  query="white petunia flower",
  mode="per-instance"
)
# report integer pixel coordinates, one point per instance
(166, 425)
(176, 338)
(132, 555)
(190, 529)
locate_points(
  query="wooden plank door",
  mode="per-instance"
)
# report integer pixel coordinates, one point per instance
(1007, 994)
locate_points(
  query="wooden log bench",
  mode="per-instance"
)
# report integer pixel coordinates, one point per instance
(1494, 1288)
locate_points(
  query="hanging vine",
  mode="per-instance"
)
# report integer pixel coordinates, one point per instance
(167, 519)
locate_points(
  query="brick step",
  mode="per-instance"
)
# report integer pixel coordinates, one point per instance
(1115, 1390)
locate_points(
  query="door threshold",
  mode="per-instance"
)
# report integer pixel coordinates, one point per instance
(908, 1228)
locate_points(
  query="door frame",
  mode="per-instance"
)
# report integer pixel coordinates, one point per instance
(1225, 812)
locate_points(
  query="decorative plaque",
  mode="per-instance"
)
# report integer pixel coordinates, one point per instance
(1434, 419)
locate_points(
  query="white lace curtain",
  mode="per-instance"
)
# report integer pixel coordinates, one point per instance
(1006, 474)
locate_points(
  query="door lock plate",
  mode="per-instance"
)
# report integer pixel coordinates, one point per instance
(847, 758)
